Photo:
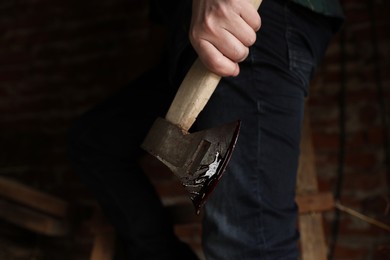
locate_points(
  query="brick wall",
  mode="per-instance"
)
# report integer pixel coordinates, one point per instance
(59, 58)
(365, 78)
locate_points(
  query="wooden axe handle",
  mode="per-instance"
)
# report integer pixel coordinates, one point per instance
(194, 93)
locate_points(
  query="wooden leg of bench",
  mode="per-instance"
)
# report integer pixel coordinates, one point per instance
(312, 243)
(103, 246)
(104, 237)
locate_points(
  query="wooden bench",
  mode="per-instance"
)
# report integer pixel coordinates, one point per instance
(48, 215)
(32, 209)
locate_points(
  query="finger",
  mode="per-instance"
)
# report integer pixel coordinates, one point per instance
(215, 61)
(241, 30)
(230, 46)
(250, 15)
(222, 40)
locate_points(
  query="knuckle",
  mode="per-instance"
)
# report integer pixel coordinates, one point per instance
(251, 39)
(241, 54)
(208, 24)
(194, 36)
(220, 67)
(258, 23)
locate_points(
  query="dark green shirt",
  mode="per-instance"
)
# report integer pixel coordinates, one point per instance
(325, 7)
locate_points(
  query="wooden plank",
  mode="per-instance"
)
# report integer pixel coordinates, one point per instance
(312, 242)
(33, 198)
(32, 220)
(104, 236)
(313, 246)
(315, 202)
(103, 246)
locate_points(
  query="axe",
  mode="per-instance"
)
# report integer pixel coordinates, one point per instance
(198, 159)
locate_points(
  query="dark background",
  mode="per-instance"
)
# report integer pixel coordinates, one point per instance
(60, 58)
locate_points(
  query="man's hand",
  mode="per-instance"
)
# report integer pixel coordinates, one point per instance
(222, 31)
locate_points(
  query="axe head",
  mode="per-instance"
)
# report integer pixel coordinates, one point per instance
(198, 159)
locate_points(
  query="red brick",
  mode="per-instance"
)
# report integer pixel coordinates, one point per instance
(360, 159)
(382, 252)
(363, 183)
(325, 141)
(350, 253)
(372, 136)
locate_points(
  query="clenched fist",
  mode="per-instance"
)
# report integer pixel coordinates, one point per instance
(221, 32)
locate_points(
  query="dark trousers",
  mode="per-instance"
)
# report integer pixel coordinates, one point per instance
(252, 212)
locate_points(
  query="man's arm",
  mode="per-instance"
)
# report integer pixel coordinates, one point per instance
(222, 31)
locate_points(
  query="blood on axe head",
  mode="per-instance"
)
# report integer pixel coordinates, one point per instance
(198, 159)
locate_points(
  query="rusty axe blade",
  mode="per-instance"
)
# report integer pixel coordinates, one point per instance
(198, 159)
